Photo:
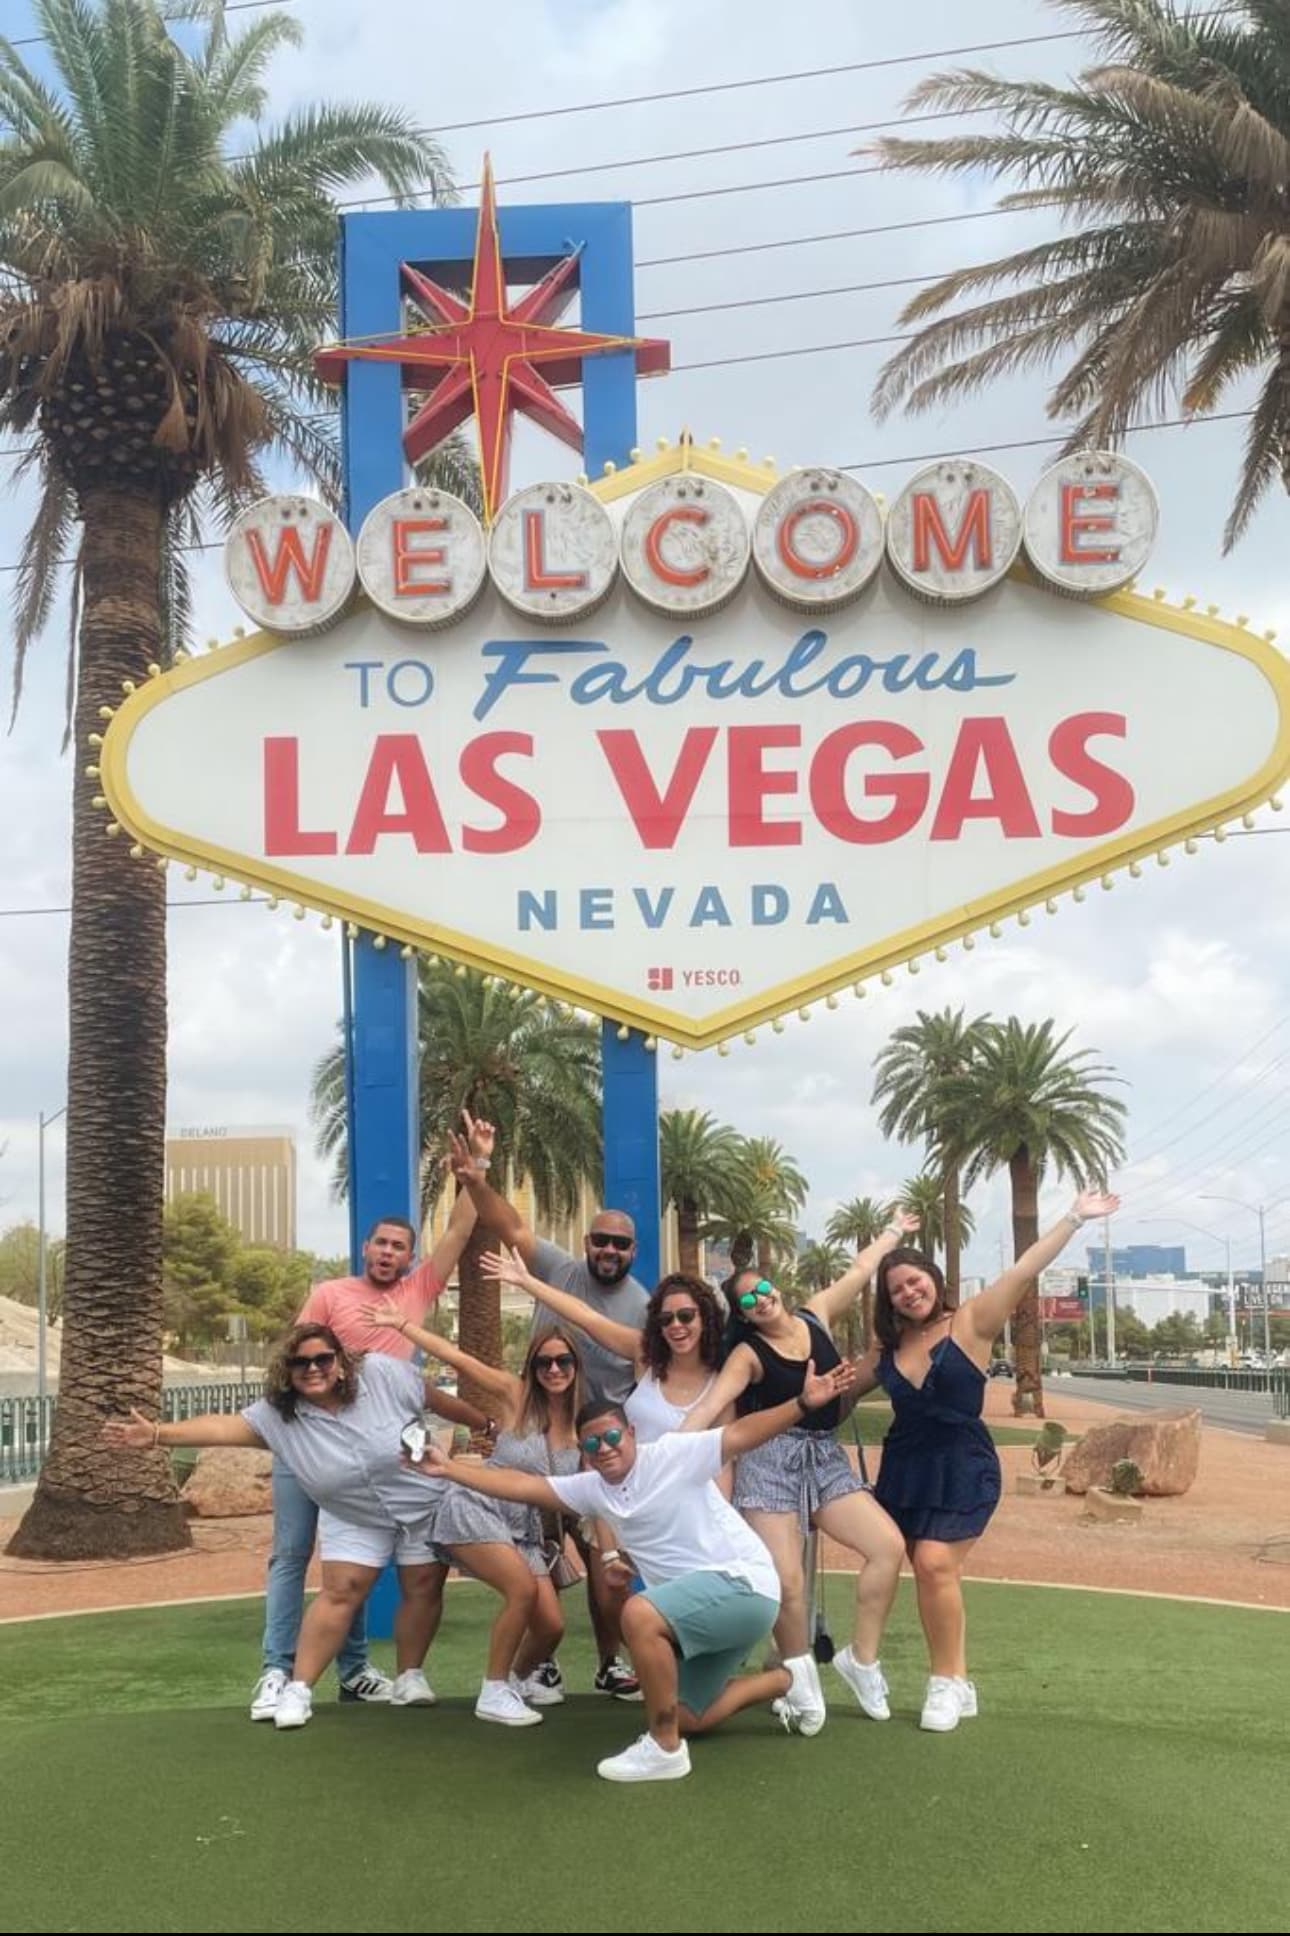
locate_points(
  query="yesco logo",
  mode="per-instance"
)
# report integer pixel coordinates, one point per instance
(659, 980)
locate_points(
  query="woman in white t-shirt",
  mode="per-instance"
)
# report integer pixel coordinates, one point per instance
(676, 1354)
(335, 1418)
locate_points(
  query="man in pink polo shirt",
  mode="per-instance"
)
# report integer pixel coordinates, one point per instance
(388, 1274)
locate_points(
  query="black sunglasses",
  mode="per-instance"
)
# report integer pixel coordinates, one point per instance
(608, 1240)
(303, 1361)
(678, 1317)
(556, 1361)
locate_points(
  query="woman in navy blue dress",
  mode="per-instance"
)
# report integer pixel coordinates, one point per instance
(939, 1478)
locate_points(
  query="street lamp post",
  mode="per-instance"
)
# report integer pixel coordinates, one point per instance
(1258, 1210)
(42, 1301)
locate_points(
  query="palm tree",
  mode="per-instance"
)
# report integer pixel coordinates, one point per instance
(856, 1223)
(819, 1265)
(697, 1157)
(522, 1061)
(771, 1190)
(910, 1078)
(925, 1195)
(1026, 1106)
(1166, 165)
(167, 266)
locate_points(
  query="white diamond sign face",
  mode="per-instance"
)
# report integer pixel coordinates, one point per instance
(692, 823)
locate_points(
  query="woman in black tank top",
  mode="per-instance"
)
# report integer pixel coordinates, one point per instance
(804, 1479)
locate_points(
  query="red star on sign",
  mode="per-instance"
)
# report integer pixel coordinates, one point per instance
(482, 359)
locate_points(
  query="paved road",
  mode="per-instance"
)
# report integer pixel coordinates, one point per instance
(1235, 1411)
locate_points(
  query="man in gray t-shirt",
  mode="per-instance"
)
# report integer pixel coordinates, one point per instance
(601, 1278)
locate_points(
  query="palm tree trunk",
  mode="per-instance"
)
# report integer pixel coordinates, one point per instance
(1028, 1395)
(91, 1503)
(479, 1303)
(765, 1260)
(953, 1239)
(687, 1237)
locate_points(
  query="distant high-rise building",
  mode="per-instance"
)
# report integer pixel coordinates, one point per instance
(1139, 1260)
(251, 1173)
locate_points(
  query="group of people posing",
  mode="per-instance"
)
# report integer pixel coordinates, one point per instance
(682, 1442)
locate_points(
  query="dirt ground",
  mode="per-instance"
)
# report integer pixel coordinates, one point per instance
(1226, 1539)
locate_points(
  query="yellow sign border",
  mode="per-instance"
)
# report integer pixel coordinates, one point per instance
(893, 951)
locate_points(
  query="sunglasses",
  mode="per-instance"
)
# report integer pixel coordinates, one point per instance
(317, 1360)
(608, 1240)
(613, 1438)
(668, 1318)
(749, 1300)
(556, 1361)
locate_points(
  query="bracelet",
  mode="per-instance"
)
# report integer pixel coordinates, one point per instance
(891, 1230)
(608, 1558)
(480, 1165)
(1074, 1219)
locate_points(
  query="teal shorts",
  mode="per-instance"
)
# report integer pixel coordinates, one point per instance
(715, 1618)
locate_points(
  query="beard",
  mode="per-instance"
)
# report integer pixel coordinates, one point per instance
(610, 1267)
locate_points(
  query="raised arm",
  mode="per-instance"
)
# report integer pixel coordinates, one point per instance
(987, 1314)
(455, 1410)
(446, 1255)
(506, 1266)
(490, 1208)
(818, 1389)
(499, 1384)
(522, 1488)
(740, 1370)
(212, 1428)
(830, 1304)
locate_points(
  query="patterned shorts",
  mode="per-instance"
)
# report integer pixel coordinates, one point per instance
(798, 1472)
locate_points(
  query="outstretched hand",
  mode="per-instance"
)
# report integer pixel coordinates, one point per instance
(505, 1266)
(1095, 1203)
(904, 1222)
(431, 1465)
(136, 1431)
(822, 1387)
(385, 1317)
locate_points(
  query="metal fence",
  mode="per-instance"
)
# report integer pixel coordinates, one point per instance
(26, 1423)
(1275, 1380)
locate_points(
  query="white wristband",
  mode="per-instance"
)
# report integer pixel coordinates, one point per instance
(480, 1166)
(612, 1555)
(1075, 1218)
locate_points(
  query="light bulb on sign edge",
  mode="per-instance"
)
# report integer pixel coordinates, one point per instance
(749, 1037)
(778, 1024)
(624, 1033)
(113, 827)
(723, 1048)
(651, 1043)
(677, 1053)
(887, 978)
(406, 952)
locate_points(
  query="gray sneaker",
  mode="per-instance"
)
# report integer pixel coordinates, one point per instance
(368, 1684)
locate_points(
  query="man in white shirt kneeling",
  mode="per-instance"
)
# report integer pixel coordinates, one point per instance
(711, 1590)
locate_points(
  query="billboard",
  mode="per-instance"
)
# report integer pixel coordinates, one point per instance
(696, 745)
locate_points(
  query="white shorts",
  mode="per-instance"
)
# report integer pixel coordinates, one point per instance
(411, 1545)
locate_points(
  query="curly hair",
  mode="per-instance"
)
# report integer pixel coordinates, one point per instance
(655, 1348)
(279, 1386)
(535, 1412)
(887, 1325)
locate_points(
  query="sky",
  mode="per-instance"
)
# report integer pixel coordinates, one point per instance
(1178, 981)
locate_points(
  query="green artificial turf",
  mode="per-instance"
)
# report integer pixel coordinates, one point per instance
(1129, 1771)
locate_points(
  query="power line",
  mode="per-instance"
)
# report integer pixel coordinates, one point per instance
(830, 235)
(774, 356)
(215, 900)
(681, 195)
(1034, 443)
(1209, 1088)
(761, 80)
(762, 302)
(232, 6)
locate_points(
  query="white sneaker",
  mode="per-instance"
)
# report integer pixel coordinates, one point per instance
(967, 1697)
(268, 1692)
(412, 1689)
(805, 1696)
(868, 1684)
(295, 1705)
(646, 1761)
(498, 1701)
(942, 1705)
(537, 1691)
